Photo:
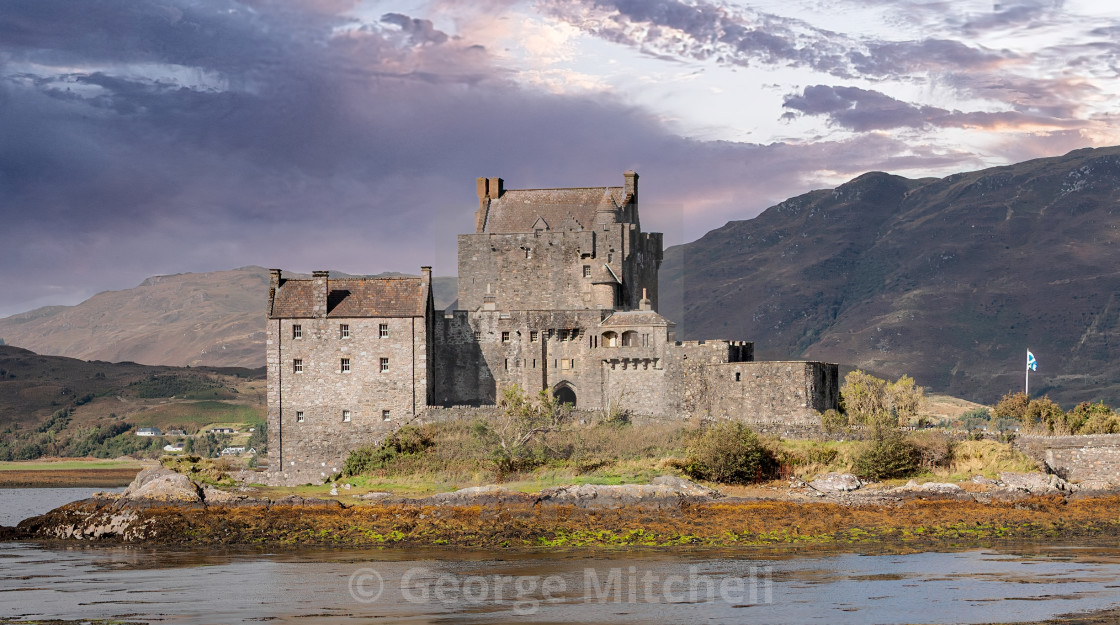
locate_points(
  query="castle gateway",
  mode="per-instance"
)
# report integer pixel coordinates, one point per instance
(557, 290)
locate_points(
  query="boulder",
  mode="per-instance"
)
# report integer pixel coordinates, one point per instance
(980, 479)
(375, 495)
(160, 484)
(943, 488)
(836, 483)
(610, 496)
(217, 495)
(1036, 483)
(685, 487)
(475, 496)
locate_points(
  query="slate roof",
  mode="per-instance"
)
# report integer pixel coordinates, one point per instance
(517, 210)
(354, 297)
(635, 318)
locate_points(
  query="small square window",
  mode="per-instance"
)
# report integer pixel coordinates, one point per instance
(384, 364)
(297, 331)
(299, 416)
(346, 416)
(478, 336)
(563, 335)
(534, 336)
(383, 331)
(738, 376)
(505, 337)
(344, 330)
(297, 365)
(587, 271)
(344, 366)
(384, 415)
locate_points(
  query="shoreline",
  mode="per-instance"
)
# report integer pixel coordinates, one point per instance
(522, 523)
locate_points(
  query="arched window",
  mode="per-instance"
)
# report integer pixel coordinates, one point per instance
(630, 339)
(610, 339)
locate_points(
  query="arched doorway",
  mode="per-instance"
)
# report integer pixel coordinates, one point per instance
(564, 394)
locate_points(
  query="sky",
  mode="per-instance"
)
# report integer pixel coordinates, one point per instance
(146, 137)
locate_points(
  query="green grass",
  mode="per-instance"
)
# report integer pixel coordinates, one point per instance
(198, 414)
(63, 465)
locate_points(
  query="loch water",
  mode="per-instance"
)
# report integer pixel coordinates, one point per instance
(1020, 582)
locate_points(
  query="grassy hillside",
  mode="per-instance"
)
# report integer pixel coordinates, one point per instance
(50, 405)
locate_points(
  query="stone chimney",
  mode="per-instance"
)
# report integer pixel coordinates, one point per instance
(645, 304)
(631, 183)
(319, 288)
(482, 185)
(495, 188)
(274, 279)
(426, 274)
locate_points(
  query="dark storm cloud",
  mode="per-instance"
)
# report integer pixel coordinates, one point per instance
(142, 137)
(863, 110)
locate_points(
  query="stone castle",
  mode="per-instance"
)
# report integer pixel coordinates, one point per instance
(557, 290)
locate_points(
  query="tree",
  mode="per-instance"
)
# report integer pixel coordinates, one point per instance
(519, 425)
(874, 402)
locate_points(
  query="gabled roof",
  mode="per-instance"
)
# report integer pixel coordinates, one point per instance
(518, 210)
(353, 297)
(635, 318)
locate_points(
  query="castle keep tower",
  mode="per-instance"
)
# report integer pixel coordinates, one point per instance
(558, 249)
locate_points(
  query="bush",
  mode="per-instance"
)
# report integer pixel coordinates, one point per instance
(935, 449)
(887, 457)
(1093, 419)
(834, 422)
(730, 453)
(408, 440)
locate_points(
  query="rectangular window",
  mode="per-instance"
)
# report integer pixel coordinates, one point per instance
(534, 363)
(344, 330)
(384, 364)
(346, 416)
(507, 363)
(478, 336)
(587, 271)
(563, 335)
(297, 365)
(297, 331)
(534, 336)
(505, 337)
(383, 331)
(738, 377)
(344, 366)
(384, 415)
(299, 416)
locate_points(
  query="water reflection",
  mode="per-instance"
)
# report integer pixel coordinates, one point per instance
(756, 586)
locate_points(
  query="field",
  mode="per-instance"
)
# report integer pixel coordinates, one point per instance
(68, 473)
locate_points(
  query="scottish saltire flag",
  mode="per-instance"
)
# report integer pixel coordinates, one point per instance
(1032, 364)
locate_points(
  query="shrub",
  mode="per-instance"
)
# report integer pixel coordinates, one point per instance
(408, 440)
(887, 457)
(1093, 419)
(834, 422)
(730, 453)
(935, 449)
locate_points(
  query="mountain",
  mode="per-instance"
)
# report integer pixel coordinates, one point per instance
(196, 319)
(949, 280)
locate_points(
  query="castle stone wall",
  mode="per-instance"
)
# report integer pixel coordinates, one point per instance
(308, 450)
(785, 393)
(1076, 458)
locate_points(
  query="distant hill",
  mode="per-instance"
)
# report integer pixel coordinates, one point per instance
(196, 319)
(57, 406)
(949, 280)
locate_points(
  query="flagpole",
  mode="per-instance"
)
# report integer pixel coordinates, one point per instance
(1027, 378)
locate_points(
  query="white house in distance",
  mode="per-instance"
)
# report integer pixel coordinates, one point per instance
(149, 432)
